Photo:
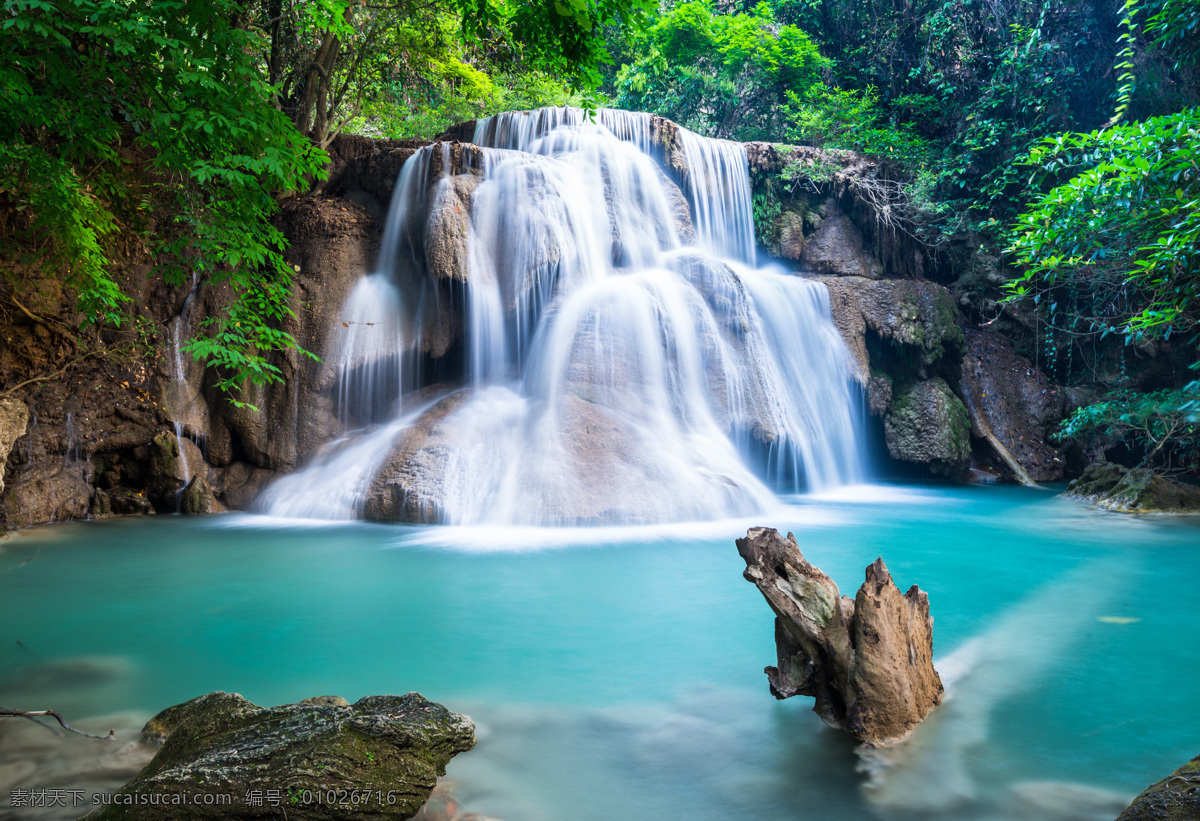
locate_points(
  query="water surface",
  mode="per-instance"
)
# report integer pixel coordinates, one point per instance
(617, 674)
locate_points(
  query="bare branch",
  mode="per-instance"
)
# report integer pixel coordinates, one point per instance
(33, 714)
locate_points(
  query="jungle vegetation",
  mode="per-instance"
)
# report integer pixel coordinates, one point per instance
(1060, 134)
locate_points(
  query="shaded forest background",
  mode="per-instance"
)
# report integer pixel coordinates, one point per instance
(1059, 137)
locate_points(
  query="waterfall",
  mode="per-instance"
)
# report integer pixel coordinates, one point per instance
(182, 401)
(605, 370)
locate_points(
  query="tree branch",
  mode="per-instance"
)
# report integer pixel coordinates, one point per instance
(33, 714)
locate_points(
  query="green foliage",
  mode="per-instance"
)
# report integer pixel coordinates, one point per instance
(1119, 241)
(837, 118)
(1175, 27)
(176, 124)
(722, 74)
(94, 91)
(1164, 426)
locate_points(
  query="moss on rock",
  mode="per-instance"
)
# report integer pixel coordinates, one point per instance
(1175, 798)
(928, 425)
(388, 748)
(1110, 486)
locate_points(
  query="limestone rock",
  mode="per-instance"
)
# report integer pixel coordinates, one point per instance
(54, 491)
(918, 317)
(198, 497)
(1110, 486)
(681, 211)
(223, 744)
(14, 418)
(408, 486)
(791, 235)
(928, 425)
(1012, 398)
(331, 244)
(448, 227)
(879, 396)
(240, 483)
(1175, 798)
(836, 247)
(868, 662)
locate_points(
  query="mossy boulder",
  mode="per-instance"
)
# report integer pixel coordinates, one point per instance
(928, 425)
(198, 498)
(1175, 798)
(1110, 486)
(220, 744)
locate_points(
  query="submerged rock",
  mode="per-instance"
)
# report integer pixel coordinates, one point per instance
(928, 425)
(1175, 798)
(223, 745)
(1110, 486)
(867, 661)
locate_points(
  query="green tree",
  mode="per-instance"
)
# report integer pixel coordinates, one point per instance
(95, 93)
(180, 124)
(726, 75)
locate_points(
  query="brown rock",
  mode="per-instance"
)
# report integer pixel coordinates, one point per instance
(836, 247)
(921, 317)
(868, 662)
(14, 418)
(448, 227)
(408, 486)
(1005, 393)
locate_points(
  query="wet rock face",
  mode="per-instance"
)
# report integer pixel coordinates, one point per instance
(14, 418)
(836, 247)
(1015, 400)
(867, 661)
(332, 243)
(221, 744)
(919, 318)
(928, 425)
(1175, 798)
(408, 485)
(1109, 486)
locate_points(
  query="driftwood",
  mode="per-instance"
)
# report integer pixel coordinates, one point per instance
(868, 661)
(33, 716)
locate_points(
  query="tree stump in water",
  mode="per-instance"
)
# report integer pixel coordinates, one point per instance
(868, 661)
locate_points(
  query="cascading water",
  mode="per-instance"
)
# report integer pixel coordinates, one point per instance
(608, 371)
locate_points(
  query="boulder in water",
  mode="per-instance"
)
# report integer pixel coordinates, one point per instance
(928, 425)
(1109, 486)
(408, 487)
(223, 745)
(448, 227)
(1175, 798)
(867, 661)
(198, 498)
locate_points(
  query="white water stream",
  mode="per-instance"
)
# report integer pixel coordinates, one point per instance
(615, 375)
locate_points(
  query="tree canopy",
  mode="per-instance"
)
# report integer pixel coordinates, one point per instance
(180, 124)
